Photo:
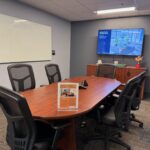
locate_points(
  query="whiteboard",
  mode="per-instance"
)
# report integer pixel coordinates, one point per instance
(23, 40)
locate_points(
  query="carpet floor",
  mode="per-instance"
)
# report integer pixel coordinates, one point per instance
(137, 138)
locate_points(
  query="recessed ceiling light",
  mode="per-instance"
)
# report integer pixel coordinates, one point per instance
(114, 10)
(20, 20)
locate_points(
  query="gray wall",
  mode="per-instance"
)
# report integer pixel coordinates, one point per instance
(84, 43)
(61, 31)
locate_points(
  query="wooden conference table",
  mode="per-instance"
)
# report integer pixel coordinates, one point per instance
(43, 103)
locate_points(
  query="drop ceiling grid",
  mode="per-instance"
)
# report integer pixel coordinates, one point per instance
(143, 4)
(106, 4)
(77, 10)
(51, 7)
(72, 6)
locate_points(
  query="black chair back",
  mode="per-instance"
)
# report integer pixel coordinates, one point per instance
(106, 70)
(53, 73)
(21, 129)
(124, 102)
(137, 100)
(21, 77)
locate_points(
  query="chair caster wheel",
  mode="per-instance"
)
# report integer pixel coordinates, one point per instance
(141, 125)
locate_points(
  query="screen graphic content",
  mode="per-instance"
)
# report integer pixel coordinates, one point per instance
(120, 42)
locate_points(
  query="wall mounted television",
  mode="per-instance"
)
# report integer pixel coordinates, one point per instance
(126, 42)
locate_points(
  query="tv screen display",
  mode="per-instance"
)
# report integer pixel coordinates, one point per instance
(127, 42)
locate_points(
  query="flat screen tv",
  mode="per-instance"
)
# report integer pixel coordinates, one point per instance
(128, 42)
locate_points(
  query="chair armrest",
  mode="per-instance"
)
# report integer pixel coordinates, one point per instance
(100, 110)
(58, 126)
(123, 84)
(115, 95)
(42, 121)
(101, 107)
(118, 90)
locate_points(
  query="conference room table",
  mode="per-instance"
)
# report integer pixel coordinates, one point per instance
(42, 102)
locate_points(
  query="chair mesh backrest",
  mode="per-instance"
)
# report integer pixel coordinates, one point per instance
(53, 73)
(123, 105)
(137, 100)
(20, 130)
(21, 77)
(106, 70)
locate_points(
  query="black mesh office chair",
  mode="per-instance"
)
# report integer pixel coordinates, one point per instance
(23, 131)
(21, 77)
(106, 70)
(53, 73)
(137, 100)
(118, 116)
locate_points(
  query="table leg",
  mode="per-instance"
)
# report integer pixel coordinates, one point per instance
(68, 141)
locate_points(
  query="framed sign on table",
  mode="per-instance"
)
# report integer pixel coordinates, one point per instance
(68, 94)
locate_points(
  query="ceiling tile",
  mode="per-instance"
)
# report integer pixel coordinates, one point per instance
(75, 10)
(106, 4)
(143, 4)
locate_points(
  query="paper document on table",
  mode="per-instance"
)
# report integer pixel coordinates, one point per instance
(68, 96)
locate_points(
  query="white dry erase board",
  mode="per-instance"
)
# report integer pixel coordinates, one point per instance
(23, 40)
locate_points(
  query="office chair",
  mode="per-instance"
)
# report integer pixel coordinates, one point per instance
(23, 131)
(53, 73)
(106, 70)
(137, 100)
(21, 77)
(118, 116)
